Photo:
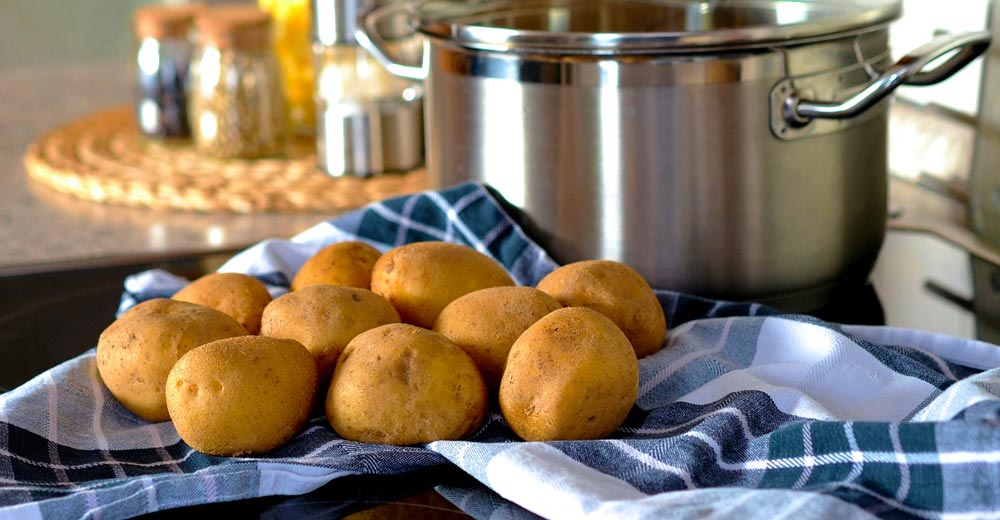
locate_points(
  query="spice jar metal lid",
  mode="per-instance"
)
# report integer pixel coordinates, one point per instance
(235, 26)
(633, 26)
(165, 21)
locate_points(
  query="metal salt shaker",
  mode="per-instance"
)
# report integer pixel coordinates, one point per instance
(368, 121)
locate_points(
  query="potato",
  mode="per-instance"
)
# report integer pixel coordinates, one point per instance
(137, 351)
(241, 296)
(400, 384)
(241, 396)
(344, 263)
(571, 376)
(616, 291)
(421, 278)
(325, 318)
(486, 322)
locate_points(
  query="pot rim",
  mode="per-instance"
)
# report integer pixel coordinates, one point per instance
(642, 26)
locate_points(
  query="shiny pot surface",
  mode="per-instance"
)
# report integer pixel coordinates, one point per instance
(692, 154)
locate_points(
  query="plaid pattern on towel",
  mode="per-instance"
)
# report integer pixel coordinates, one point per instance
(746, 413)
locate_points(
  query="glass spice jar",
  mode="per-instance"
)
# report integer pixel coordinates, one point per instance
(162, 58)
(292, 46)
(237, 104)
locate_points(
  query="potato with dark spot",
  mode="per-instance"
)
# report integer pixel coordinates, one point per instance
(571, 376)
(422, 278)
(137, 351)
(346, 263)
(239, 295)
(325, 318)
(241, 396)
(400, 384)
(616, 291)
(485, 324)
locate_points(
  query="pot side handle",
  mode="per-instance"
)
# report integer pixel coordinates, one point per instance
(368, 36)
(909, 70)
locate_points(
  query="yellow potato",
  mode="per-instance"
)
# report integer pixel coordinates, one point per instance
(421, 278)
(400, 384)
(137, 351)
(241, 396)
(616, 291)
(571, 376)
(485, 324)
(344, 263)
(241, 296)
(325, 318)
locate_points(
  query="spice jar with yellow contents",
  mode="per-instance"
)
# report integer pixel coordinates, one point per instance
(237, 104)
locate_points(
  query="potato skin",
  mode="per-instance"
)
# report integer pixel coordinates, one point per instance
(485, 324)
(617, 291)
(324, 319)
(422, 278)
(401, 384)
(241, 396)
(239, 295)
(571, 376)
(137, 351)
(346, 263)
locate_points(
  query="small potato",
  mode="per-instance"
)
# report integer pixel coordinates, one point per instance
(325, 318)
(241, 396)
(241, 296)
(485, 324)
(616, 291)
(344, 263)
(421, 278)
(571, 376)
(137, 351)
(400, 384)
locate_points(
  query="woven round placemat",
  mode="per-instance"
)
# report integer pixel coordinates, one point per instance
(104, 158)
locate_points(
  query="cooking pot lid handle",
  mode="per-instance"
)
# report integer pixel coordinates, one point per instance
(909, 70)
(369, 37)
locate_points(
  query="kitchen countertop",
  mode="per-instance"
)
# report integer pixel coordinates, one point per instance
(42, 230)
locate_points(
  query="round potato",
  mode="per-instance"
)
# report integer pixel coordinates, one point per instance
(400, 384)
(571, 376)
(344, 263)
(485, 324)
(325, 318)
(241, 296)
(241, 396)
(616, 291)
(137, 351)
(421, 278)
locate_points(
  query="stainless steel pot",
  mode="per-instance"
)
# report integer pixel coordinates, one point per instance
(728, 149)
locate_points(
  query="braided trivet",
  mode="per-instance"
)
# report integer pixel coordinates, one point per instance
(104, 158)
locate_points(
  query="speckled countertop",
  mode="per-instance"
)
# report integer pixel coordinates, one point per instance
(41, 230)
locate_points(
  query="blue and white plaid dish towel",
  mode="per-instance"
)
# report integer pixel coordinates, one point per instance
(746, 413)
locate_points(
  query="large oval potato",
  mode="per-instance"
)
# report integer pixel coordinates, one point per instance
(401, 384)
(241, 396)
(616, 291)
(325, 318)
(137, 351)
(485, 324)
(571, 376)
(421, 278)
(239, 295)
(346, 263)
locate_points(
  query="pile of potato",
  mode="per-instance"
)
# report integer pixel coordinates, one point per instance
(406, 347)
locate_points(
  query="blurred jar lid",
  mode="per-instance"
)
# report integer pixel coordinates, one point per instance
(235, 26)
(165, 21)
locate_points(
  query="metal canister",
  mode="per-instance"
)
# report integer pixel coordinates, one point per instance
(164, 50)
(368, 121)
